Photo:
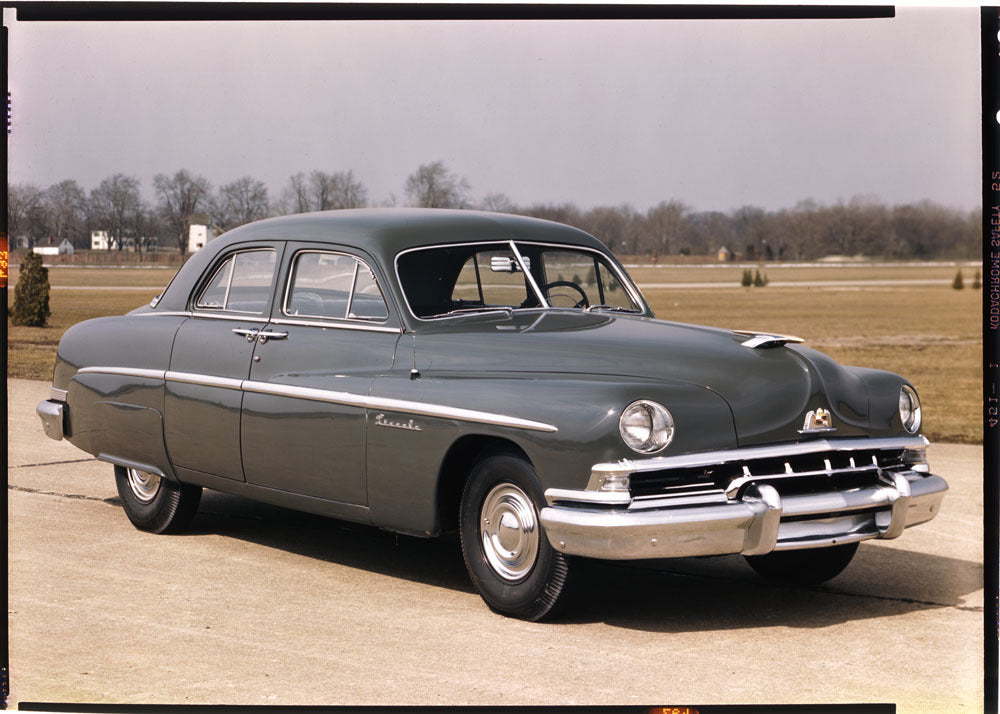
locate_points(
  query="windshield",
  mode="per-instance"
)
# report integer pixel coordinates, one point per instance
(456, 279)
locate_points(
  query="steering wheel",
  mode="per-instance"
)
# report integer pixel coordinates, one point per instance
(582, 302)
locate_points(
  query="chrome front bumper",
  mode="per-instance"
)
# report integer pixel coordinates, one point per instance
(53, 416)
(608, 526)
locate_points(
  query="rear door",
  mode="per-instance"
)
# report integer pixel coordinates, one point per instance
(211, 357)
(331, 333)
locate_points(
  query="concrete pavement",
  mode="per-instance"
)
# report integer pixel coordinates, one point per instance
(261, 605)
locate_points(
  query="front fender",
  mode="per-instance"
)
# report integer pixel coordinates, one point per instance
(406, 451)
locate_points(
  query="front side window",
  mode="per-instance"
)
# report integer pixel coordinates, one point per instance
(333, 286)
(242, 283)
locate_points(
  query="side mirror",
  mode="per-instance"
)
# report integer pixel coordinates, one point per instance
(500, 264)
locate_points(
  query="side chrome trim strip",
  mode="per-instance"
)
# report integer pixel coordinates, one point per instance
(394, 405)
(309, 393)
(435, 410)
(716, 458)
(204, 380)
(329, 396)
(124, 372)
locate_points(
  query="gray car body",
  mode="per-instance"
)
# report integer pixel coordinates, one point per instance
(416, 401)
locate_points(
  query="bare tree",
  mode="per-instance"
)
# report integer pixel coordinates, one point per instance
(180, 195)
(114, 204)
(295, 198)
(146, 227)
(348, 192)
(25, 219)
(498, 203)
(336, 190)
(560, 212)
(65, 206)
(663, 227)
(617, 226)
(434, 186)
(321, 191)
(242, 201)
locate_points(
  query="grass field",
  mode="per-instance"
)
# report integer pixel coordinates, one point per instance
(931, 334)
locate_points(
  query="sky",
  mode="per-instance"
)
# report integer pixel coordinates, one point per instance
(716, 114)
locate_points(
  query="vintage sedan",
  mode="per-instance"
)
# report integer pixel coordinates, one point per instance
(427, 371)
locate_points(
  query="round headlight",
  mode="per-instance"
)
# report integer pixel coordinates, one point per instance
(909, 409)
(646, 427)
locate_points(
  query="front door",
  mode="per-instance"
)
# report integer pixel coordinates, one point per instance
(330, 334)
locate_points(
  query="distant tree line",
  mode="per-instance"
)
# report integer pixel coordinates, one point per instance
(809, 230)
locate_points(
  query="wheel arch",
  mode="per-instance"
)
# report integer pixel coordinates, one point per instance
(456, 467)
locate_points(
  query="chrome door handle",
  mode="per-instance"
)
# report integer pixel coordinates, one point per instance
(263, 336)
(251, 335)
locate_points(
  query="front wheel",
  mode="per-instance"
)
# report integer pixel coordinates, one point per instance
(810, 566)
(509, 559)
(155, 504)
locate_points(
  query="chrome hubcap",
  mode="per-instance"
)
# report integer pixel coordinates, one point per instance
(509, 530)
(144, 485)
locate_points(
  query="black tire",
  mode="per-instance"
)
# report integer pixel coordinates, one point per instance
(811, 566)
(155, 504)
(527, 577)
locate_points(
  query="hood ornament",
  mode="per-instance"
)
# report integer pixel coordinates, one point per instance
(762, 339)
(817, 422)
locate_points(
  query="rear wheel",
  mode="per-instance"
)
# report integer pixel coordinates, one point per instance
(811, 566)
(509, 559)
(155, 504)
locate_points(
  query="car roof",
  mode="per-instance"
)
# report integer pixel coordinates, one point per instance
(383, 233)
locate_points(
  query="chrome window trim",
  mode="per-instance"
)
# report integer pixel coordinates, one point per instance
(237, 318)
(337, 325)
(329, 396)
(165, 313)
(354, 286)
(231, 262)
(623, 277)
(350, 297)
(525, 268)
(206, 315)
(232, 256)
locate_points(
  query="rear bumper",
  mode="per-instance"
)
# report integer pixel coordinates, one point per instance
(760, 522)
(53, 416)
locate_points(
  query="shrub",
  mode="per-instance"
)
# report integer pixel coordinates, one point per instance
(759, 280)
(31, 296)
(958, 283)
(977, 281)
(747, 280)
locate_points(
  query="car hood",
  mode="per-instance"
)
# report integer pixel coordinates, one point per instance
(768, 389)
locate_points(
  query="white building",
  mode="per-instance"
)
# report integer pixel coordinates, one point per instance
(99, 240)
(64, 248)
(198, 235)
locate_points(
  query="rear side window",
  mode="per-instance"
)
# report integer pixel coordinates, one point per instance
(333, 286)
(242, 283)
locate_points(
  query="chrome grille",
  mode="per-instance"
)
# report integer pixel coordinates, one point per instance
(794, 474)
